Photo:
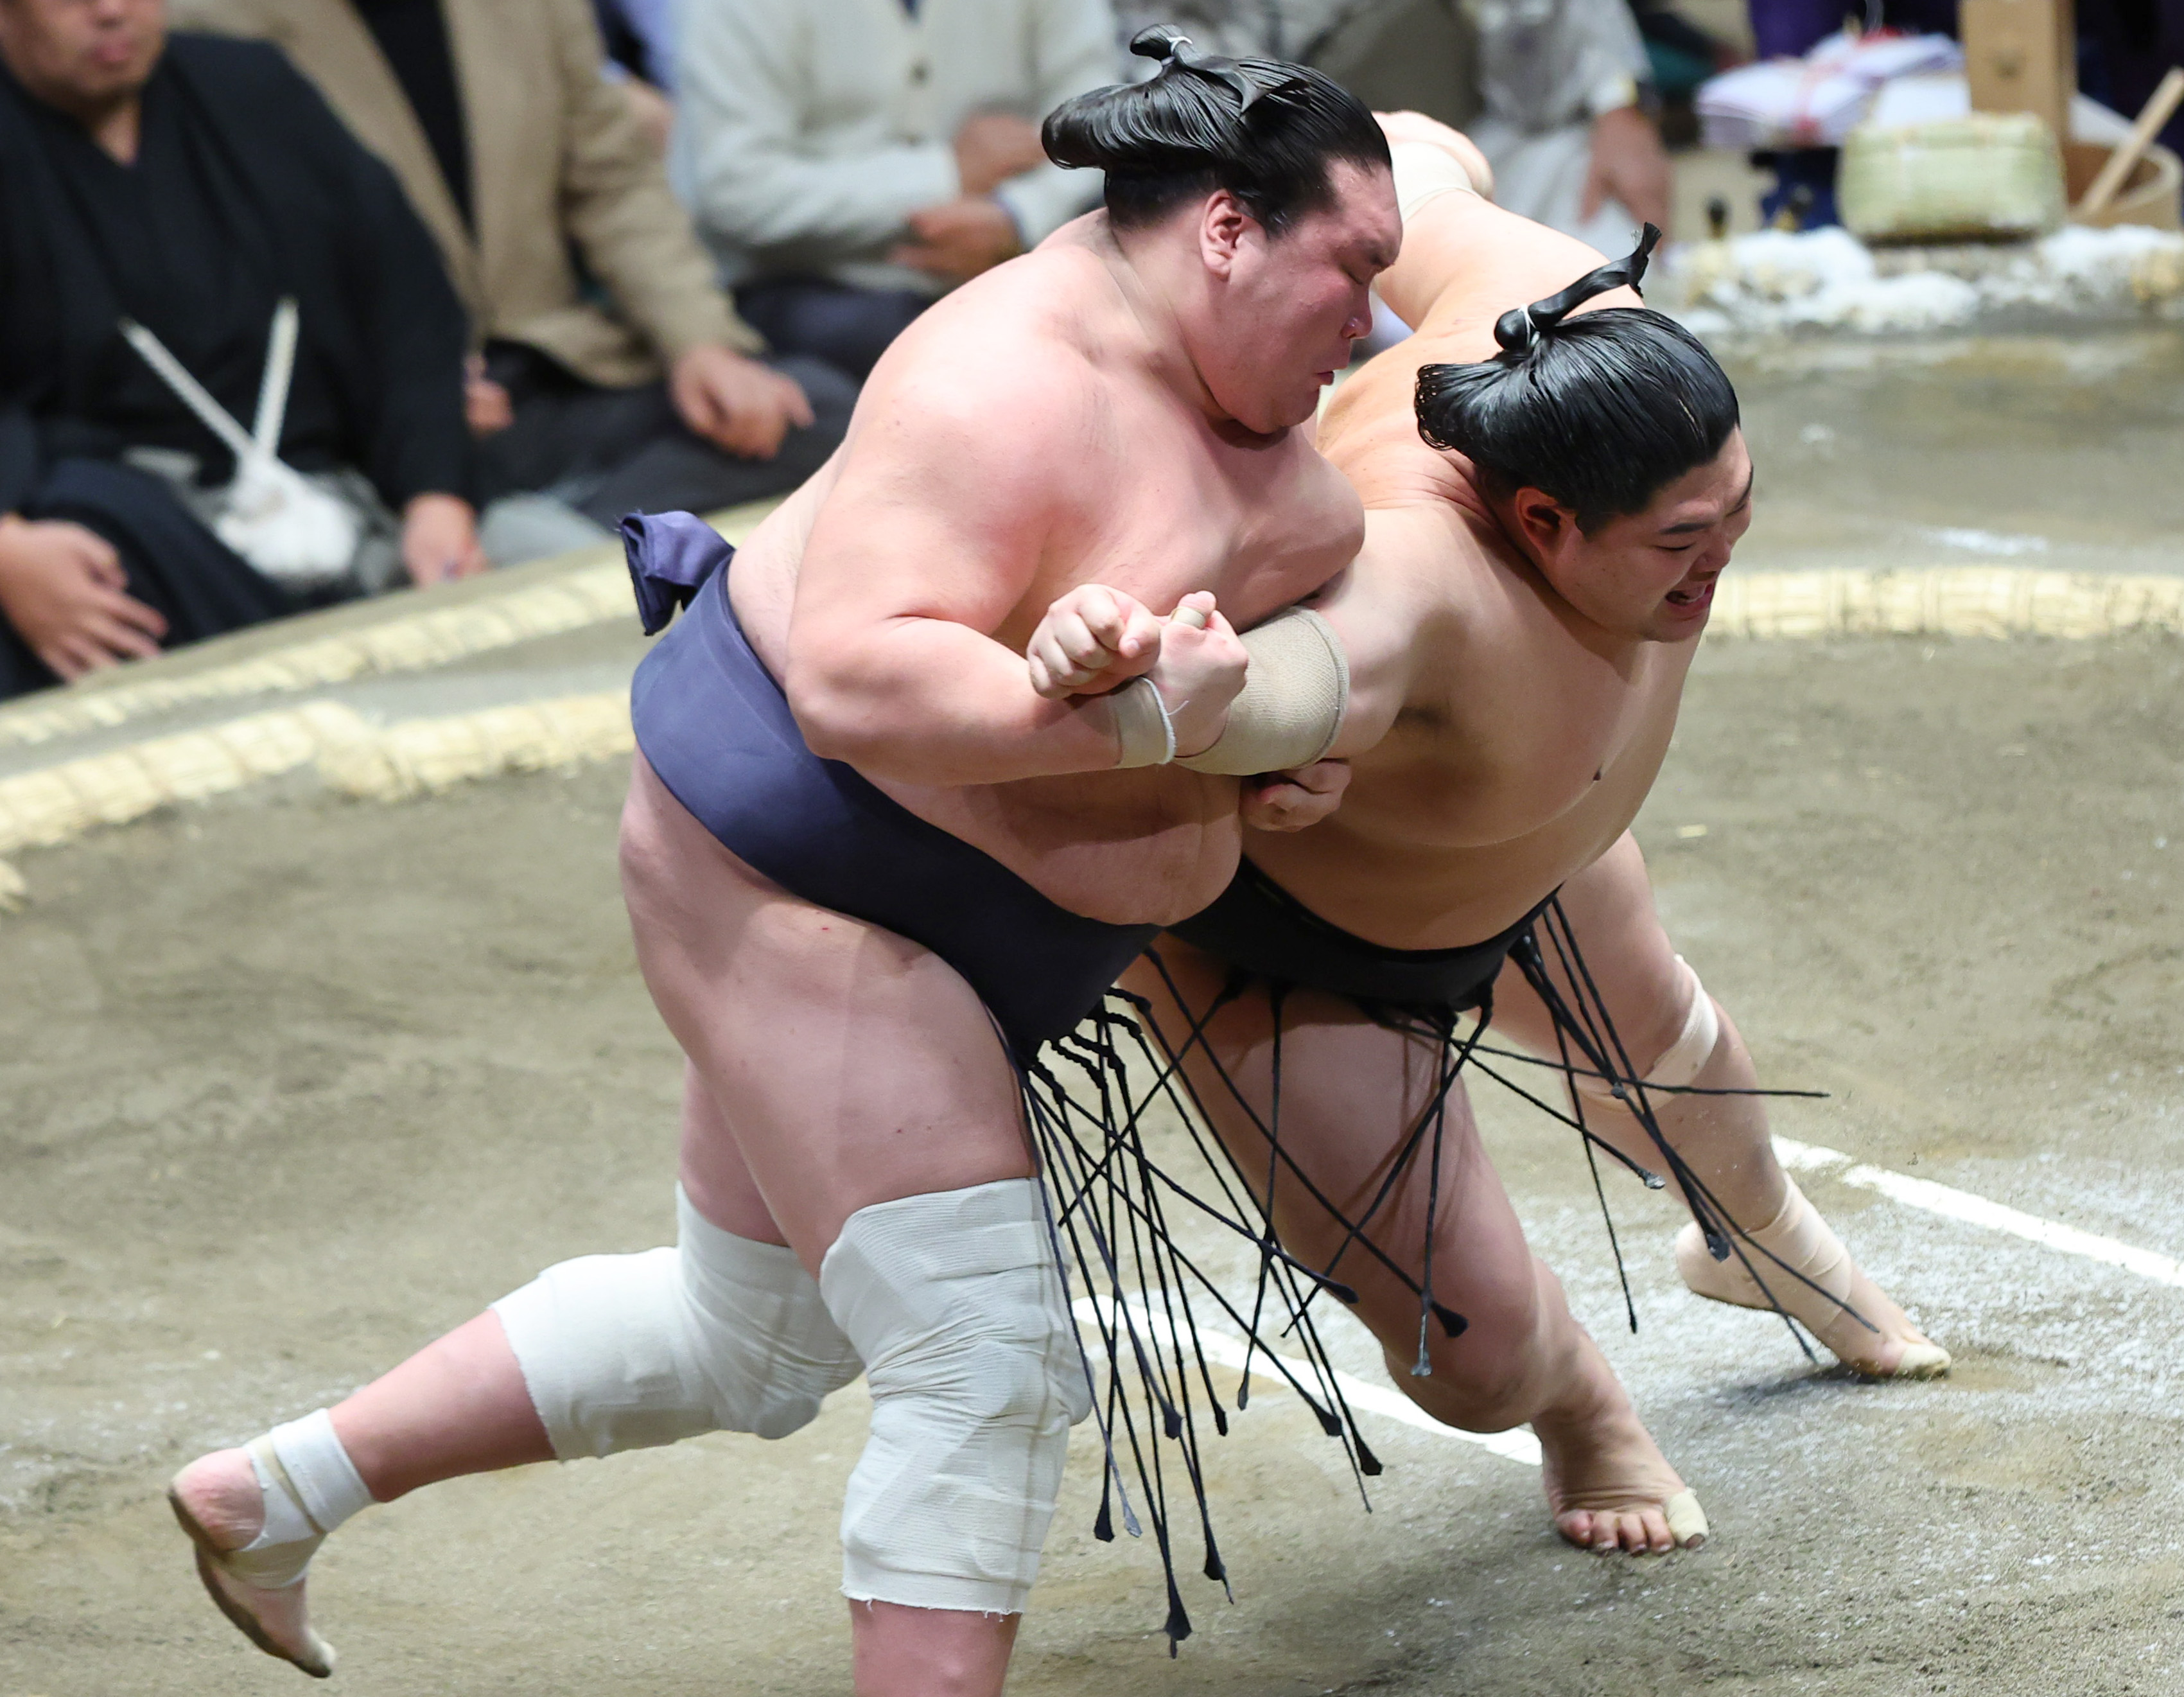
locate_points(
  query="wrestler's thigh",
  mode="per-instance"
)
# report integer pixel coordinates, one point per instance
(1351, 1093)
(712, 1169)
(849, 1065)
(1627, 955)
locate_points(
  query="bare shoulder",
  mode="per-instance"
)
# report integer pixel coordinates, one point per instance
(989, 391)
(1465, 261)
(1429, 562)
(1370, 432)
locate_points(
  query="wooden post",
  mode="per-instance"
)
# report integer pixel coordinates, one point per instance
(2022, 56)
(2158, 110)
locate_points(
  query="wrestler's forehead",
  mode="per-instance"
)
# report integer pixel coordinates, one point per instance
(1705, 493)
(1360, 217)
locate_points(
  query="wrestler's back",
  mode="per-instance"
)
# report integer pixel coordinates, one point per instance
(1524, 747)
(1156, 502)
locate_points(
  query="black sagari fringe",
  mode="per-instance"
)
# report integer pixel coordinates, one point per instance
(1087, 1099)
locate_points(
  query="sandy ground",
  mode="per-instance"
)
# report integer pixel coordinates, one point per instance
(289, 1084)
(2056, 452)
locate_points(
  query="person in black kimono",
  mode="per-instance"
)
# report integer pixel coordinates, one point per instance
(191, 185)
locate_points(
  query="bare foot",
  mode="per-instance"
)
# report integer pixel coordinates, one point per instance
(1889, 1346)
(217, 1499)
(1609, 1485)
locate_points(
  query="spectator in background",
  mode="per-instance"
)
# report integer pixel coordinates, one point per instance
(1564, 123)
(2125, 46)
(850, 160)
(639, 36)
(613, 373)
(1790, 29)
(191, 185)
(1553, 91)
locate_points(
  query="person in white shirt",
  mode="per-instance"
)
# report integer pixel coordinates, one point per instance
(1571, 146)
(1551, 91)
(850, 160)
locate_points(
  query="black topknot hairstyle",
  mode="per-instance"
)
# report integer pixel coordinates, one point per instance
(1265, 130)
(1601, 412)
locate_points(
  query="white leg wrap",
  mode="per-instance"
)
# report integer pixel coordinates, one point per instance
(1684, 1058)
(956, 1302)
(718, 1334)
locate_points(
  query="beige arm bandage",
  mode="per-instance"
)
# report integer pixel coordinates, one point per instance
(1142, 723)
(1295, 695)
(1424, 170)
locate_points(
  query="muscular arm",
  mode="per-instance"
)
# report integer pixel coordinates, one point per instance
(953, 495)
(1379, 617)
(1465, 261)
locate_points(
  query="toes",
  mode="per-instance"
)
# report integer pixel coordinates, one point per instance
(274, 1620)
(1686, 1520)
(1912, 1358)
(1651, 1530)
(1922, 1360)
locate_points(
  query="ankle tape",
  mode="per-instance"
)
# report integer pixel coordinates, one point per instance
(308, 1486)
(316, 1470)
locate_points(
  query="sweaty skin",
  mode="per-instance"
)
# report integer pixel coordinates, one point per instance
(1520, 737)
(1506, 727)
(1427, 647)
(1051, 441)
(1514, 685)
(1131, 410)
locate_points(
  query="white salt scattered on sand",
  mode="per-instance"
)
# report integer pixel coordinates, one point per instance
(1773, 281)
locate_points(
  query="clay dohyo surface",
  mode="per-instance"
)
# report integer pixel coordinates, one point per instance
(288, 1084)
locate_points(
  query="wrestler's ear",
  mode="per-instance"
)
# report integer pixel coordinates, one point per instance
(1224, 225)
(1543, 521)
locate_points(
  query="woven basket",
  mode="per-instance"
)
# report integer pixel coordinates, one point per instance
(1988, 175)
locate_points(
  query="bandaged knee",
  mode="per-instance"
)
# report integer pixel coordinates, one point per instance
(1684, 1058)
(956, 1303)
(718, 1334)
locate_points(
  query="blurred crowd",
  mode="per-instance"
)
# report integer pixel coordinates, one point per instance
(304, 300)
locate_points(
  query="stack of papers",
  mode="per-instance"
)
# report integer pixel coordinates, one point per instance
(1927, 99)
(1816, 101)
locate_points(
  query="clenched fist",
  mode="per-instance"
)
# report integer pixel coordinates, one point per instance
(1094, 639)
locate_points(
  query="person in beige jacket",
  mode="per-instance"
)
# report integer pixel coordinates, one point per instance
(609, 369)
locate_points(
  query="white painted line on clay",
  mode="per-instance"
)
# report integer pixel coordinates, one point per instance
(1977, 1210)
(1519, 1445)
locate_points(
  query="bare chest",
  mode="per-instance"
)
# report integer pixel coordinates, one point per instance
(1175, 508)
(1484, 798)
(1538, 738)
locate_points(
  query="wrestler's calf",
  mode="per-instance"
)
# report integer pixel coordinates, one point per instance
(1806, 1268)
(616, 1351)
